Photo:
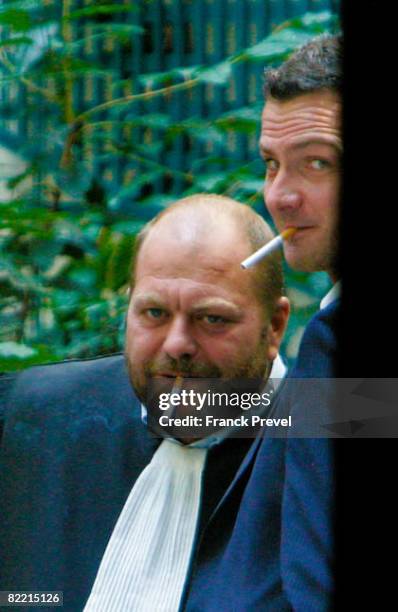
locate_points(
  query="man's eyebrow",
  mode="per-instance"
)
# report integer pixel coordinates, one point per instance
(143, 299)
(208, 303)
(335, 144)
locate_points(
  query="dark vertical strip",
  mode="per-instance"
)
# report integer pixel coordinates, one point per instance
(237, 38)
(194, 31)
(173, 56)
(214, 52)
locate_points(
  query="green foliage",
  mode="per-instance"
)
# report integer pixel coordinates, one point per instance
(66, 231)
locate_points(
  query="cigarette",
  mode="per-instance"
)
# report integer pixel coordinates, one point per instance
(267, 249)
(177, 385)
(176, 390)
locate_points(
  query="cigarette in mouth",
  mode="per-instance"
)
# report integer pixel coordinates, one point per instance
(177, 385)
(267, 249)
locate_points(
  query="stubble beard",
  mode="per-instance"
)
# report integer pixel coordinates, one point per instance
(256, 366)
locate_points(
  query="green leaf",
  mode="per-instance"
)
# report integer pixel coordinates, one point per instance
(220, 74)
(76, 67)
(16, 351)
(252, 185)
(211, 181)
(18, 19)
(43, 252)
(130, 228)
(245, 119)
(17, 356)
(128, 194)
(65, 301)
(95, 313)
(58, 267)
(121, 32)
(207, 134)
(19, 5)
(156, 121)
(323, 18)
(186, 72)
(118, 262)
(83, 277)
(102, 9)
(13, 42)
(277, 45)
(153, 80)
(67, 231)
(22, 279)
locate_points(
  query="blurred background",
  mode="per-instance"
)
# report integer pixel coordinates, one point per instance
(110, 112)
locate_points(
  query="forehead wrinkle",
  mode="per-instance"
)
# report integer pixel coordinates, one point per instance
(306, 119)
(195, 291)
(285, 126)
(280, 116)
(308, 123)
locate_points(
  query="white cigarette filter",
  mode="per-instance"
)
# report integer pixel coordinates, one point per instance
(267, 249)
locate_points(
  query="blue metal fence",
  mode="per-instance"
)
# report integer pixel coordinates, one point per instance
(178, 33)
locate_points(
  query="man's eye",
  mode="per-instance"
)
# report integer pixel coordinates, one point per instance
(214, 319)
(271, 164)
(319, 164)
(155, 313)
(271, 167)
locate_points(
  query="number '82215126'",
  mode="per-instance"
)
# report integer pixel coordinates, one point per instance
(31, 598)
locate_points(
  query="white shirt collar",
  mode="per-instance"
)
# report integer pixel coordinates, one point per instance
(278, 369)
(332, 295)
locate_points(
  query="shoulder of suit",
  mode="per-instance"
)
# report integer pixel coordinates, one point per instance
(86, 384)
(7, 381)
(70, 371)
(325, 321)
(318, 348)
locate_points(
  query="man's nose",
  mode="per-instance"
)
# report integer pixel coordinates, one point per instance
(179, 341)
(282, 194)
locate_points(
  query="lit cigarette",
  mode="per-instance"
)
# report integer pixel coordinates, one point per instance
(177, 385)
(267, 249)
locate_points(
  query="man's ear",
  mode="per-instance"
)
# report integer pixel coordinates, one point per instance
(277, 326)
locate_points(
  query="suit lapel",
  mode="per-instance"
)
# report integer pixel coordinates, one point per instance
(241, 475)
(244, 470)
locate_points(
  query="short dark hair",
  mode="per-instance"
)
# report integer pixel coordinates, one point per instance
(315, 66)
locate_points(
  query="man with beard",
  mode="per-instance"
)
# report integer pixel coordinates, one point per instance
(92, 504)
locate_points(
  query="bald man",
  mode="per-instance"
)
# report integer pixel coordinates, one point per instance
(92, 503)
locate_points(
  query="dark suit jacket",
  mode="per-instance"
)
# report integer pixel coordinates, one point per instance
(73, 445)
(268, 546)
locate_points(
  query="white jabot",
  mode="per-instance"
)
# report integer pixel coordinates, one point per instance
(331, 295)
(147, 558)
(146, 562)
